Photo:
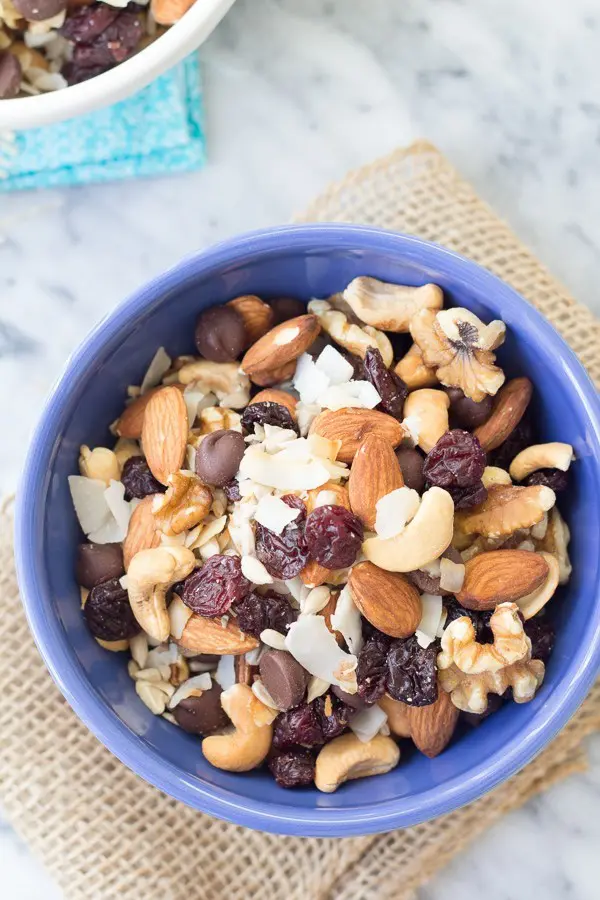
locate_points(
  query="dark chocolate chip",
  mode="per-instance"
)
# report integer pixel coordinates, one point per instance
(10, 75)
(466, 413)
(219, 456)
(38, 10)
(96, 563)
(202, 715)
(220, 334)
(284, 678)
(353, 700)
(286, 308)
(411, 463)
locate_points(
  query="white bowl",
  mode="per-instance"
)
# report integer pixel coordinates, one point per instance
(125, 79)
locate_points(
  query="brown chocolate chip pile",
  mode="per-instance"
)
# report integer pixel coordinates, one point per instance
(314, 551)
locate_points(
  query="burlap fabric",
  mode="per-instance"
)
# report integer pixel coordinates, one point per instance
(103, 833)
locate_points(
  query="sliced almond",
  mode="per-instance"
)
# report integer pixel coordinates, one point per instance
(281, 345)
(506, 509)
(351, 426)
(209, 636)
(257, 316)
(432, 727)
(375, 472)
(387, 600)
(165, 432)
(142, 533)
(509, 406)
(501, 576)
(271, 395)
(130, 424)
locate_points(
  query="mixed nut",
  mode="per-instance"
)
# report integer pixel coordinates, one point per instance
(312, 552)
(46, 45)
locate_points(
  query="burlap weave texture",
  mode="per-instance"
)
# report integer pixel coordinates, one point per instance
(102, 832)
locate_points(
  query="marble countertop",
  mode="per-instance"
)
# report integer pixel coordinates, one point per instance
(296, 94)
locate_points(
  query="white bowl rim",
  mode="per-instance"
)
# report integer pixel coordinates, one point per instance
(126, 78)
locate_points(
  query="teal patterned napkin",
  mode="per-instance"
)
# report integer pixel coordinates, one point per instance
(159, 129)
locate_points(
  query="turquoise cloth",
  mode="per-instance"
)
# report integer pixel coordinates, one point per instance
(159, 129)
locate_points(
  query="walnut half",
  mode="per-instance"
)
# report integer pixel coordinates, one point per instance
(185, 504)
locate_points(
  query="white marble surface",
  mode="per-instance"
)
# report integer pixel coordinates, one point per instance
(296, 94)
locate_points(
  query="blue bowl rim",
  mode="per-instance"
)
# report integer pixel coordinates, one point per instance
(104, 723)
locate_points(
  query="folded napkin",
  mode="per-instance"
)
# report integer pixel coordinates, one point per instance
(159, 129)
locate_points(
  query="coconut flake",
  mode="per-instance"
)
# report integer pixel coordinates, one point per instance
(192, 400)
(179, 614)
(282, 474)
(297, 589)
(164, 655)
(323, 447)
(431, 615)
(158, 368)
(89, 501)
(452, 575)
(337, 369)
(193, 687)
(225, 673)
(368, 722)
(305, 414)
(309, 381)
(316, 688)
(261, 693)
(254, 571)
(119, 507)
(274, 514)
(433, 569)
(346, 619)
(312, 644)
(357, 394)
(394, 510)
(325, 498)
(316, 600)
(412, 429)
(273, 639)
(277, 438)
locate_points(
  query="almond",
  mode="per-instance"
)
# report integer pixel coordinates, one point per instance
(257, 316)
(341, 496)
(142, 533)
(273, 396)
(387, 599)
(165, 432)
(209, 636)
(281, 345)
(375, 472)
(314, 574)
(129, 425)
(506, 509)
(501, 576)
(432, 727)
(269, 377)
(351, 426)
(509, 405)
(327, 613)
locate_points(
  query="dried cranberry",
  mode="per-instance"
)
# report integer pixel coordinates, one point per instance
(108, 613)
(268, 414)
(85, 24)
(521, 436)
(552, 478)
(371, 671)
(261, 611)
(76, 74)
(412, 672)
(334, 536)
(295, 768)
(456, 461)
(139, 480)
(297, 726)
(480, 620)
(468, 497)
(333, 715)
(541, 634)
(389, 386)
(284, 555)
(113, 45)
(212, 589)
(232, 490)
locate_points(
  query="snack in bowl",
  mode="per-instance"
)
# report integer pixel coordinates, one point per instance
(310, 557)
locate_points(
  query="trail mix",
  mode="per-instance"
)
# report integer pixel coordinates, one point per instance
(46, 45)
(330, 531)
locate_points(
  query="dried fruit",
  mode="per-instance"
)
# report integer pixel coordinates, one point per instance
(351, 426)
(333, 536)
(541, 634)
(389, 386)
(552, 478)
(284, 555)
(456, 461)
(299, 726)
(375, 472)
(521, 437)
(294, 768)
(333, 715)
(232, 490)
(387, 599)
(273, 395)
(479, 620)
(412, 673)
(261, 611)
(509, 407)
(501, 576)
(371, 672)
(115, 43)
(138, 479)
(108, 613)
(268, 413)
(219, 583)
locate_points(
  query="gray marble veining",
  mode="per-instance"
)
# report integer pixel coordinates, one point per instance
(296, 94)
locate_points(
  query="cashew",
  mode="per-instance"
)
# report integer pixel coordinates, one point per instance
(150, 574)
(397, 716)
(390, 307)
(347, 757)
(554, 455)
(125, 449)
(352, 337)
(246, 747)
(493, 475)
(532, 603)
(413, 371)
(430, 410)
(226, 380)
(556, 541)
(100, 463)
(424, 539)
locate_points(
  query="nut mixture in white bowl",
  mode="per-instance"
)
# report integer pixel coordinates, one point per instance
(330, 531)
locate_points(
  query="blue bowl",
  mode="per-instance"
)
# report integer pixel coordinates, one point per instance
(301, 261)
